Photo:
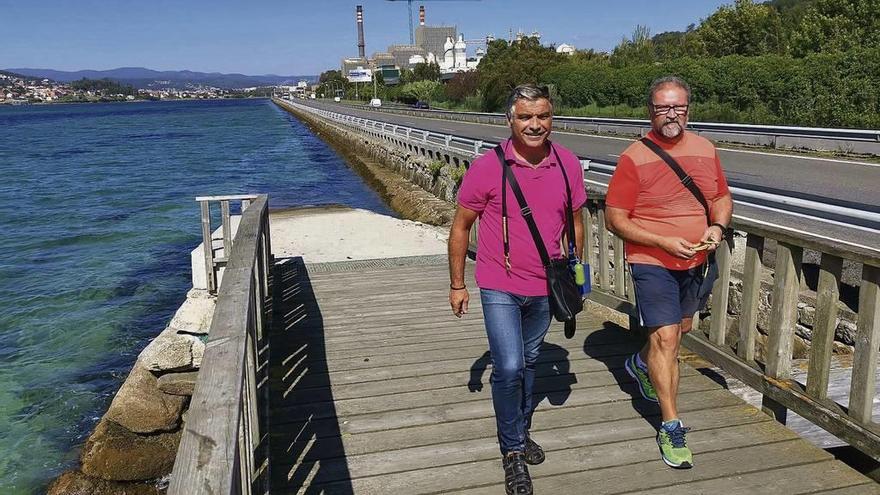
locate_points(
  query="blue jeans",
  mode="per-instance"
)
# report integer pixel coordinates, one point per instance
(516, 326)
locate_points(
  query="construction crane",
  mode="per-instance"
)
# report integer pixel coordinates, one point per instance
(409, 3)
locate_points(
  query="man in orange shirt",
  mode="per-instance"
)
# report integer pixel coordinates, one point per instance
(669, 232)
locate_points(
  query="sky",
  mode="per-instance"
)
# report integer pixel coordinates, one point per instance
(296, 37)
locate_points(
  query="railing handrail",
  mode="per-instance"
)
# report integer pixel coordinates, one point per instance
(210, 458)
(776, 130)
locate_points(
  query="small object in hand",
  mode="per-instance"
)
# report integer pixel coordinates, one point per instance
(705, 245)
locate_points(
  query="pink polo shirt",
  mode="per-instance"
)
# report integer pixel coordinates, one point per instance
(544, 190)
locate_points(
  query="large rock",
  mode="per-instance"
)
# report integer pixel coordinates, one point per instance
(195, 314)
(141, 407)
(171, 351)
(178, 383)
(115, 453)
(77, 483)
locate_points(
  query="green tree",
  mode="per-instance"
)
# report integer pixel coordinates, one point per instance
(421, 90)
(638, 49)
(746, 28)
(462, 85)
(507, 65)
(837, 26)
(426, 72)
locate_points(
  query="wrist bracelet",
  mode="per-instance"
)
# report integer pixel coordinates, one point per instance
(723, 229)
(463, 287)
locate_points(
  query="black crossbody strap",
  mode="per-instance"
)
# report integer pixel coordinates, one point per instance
(509, 177)
(569, 216)
(686, 180)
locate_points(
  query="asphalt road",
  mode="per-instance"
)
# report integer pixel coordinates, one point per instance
(837, 181)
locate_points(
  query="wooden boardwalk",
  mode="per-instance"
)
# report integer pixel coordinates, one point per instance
(376, 388)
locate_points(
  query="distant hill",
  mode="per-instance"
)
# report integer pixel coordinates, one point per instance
(140, 77)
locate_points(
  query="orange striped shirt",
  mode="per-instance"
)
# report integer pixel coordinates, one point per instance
(657, 201)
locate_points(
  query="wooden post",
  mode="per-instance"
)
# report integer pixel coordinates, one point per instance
(227, 228)
(589, 245)
(824, 325)
(603, 251)
(619, 269)
(861, 396)
(783, 318)
(720, 293)
(748, 318)
(208, 247)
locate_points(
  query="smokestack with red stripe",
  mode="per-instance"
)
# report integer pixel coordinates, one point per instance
(360, 23)
(421, 15)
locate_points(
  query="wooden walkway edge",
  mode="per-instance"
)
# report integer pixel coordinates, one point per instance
(376, 388)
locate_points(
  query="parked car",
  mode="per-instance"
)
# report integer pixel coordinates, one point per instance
(336, 98)
(375, 102)
(421, 104)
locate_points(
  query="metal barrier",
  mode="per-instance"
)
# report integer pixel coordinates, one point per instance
(863, 215)
(224, 446)
(865, 141)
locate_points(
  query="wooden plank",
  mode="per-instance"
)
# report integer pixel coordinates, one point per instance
(619, 272)
(604, 282)
(558, 440)
(808, 478)
(547, 422)
(824, 325)
(392, 416)
(590, 240)
(606, 469)
(748, 318)
(783, 314)
(227, 228)
(208, 246)
(652, 476)
(720, 293)
(867, 341)
(783, 318)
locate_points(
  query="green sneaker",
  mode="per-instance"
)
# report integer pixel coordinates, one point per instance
(673, 447)
(641, 377)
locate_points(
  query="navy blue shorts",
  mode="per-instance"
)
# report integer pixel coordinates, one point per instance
(665, 297)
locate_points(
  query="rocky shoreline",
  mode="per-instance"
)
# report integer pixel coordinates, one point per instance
(132, 449)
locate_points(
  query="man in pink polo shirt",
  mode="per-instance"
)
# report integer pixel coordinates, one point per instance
(513, 289)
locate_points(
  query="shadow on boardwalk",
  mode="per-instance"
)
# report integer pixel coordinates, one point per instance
(302, 414)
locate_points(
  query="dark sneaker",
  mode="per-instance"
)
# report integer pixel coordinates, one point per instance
(533, 452)
(673, 447)
(516, 474)
(641, 377)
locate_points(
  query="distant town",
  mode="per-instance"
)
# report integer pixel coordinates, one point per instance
(16, 89)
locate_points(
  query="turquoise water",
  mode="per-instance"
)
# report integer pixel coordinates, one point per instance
(97, 218)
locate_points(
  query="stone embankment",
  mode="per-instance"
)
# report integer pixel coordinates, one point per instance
(418, 188)
(134, 444)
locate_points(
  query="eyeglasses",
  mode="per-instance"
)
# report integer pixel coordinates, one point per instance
(664, 109)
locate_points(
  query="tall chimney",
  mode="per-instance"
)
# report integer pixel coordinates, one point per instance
(360, 22)
(421, 15)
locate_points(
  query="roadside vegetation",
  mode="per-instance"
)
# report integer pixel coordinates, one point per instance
(791, 62)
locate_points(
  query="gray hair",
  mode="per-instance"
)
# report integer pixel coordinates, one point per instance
(530, 92)
(667, 81)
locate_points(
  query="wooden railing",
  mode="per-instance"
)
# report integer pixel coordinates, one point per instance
(214, 263)
(224, 447)
(734, 348)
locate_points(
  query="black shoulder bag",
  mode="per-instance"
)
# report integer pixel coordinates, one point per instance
(565, 298)
(710, 270)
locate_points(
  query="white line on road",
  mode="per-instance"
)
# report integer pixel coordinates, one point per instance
(799, 157)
